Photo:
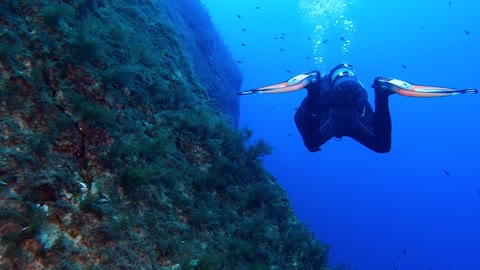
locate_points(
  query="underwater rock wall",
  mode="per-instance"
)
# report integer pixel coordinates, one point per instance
(113, 155)
(210, 59)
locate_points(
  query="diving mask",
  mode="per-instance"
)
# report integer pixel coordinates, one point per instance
(340, 71)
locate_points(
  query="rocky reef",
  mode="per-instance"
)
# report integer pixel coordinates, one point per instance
(118, 146)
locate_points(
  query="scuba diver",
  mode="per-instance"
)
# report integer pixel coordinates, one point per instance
(337, 105)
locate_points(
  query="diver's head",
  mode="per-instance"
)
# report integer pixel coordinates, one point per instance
(345, 85)
(343, 76)
(341, 73)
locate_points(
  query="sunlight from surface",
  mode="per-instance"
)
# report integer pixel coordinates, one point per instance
(333, 28)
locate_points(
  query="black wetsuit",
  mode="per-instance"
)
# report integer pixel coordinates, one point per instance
(345, 111)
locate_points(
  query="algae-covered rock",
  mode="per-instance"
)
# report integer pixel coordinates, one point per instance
(113, 154)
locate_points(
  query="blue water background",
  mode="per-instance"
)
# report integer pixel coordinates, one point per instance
(372, 207)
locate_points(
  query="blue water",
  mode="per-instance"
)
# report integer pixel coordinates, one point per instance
(371, 207)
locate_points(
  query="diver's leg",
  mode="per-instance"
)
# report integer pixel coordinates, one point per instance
(382, 122)
(306, 126)
(327, 125)
(315, 128)
(372, 129)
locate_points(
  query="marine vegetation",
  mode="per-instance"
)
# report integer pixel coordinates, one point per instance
(115, 155)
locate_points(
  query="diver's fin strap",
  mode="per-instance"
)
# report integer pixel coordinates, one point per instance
(410, 90)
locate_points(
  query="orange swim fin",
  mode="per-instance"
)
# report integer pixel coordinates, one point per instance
(411, 90)
(294, 84)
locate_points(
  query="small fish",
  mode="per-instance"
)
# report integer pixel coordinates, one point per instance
(289, 71)
(446, 172)
(243, 44)
(404, 252)
(467, 32)
(238, 61)
(282, 50)
(297, 109)
(257, 7)
(308, 58)
(395, 268)
(282, 37)
(334, 252)
(243, 29)
(403, 66)
(275, 38)
(325, 41)
(449, 3)
(308, 38)
(282, 34)
(478, 190)
(271, 108)
(290, 134)
(239, 16)
(342, 38)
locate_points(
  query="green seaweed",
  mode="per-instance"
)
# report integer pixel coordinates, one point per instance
(209, 260)
(92, 112)
(31, 220)
(172, 181)
(90, 50)
(52, 14)
(8, 52)
(148, 149)
(258, 149)
(136, 176)
(117, 31)
(89, 45)
(91, 204)
(122, 76)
